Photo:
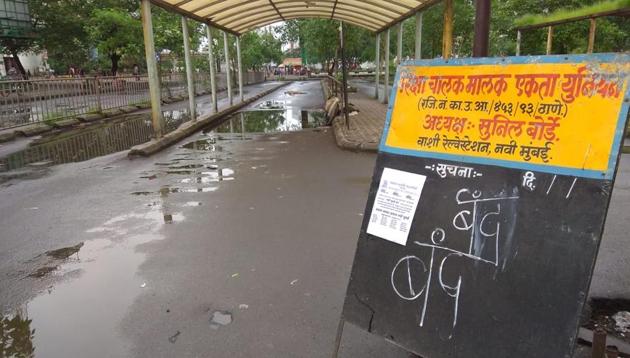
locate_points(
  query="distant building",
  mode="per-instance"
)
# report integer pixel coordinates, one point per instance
(291, 65)
(15, 19)
(35, 63)
(15, 23)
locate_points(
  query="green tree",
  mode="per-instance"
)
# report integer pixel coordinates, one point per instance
(260, 48)
(115, 33)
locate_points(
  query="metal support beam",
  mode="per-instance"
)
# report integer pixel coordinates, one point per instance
(213, 75)
(399, 44)
(549, 39)
(418, 42)
(154, 79)
(447, 34)
(599, 343)
(344, 69)
(192, 106)
(226, 49)
(386, 81)
(482, 28)
(378, 65)
(591, 36)
(519, 36)
(242, 125)
(240, 69)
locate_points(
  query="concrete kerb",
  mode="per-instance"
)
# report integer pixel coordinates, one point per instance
(344, 142)
(326, 90)
(189, 128)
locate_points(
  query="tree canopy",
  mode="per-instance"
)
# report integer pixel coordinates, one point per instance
(107, 34)
(320, 37)
(114, 33)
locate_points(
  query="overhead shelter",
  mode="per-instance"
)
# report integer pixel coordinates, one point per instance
(236, 17)
(592, 12)
(241, 16)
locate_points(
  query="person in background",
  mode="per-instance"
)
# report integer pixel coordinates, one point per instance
(136, 72)
(14, 74)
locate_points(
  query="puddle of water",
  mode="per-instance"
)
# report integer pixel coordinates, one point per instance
(64, 253)
(187, 166)
(192, 204)
(93, 285)
(209, 189)
(204, 144)
(294, 93)
(43, 271)
(49, 262)
(16, 335)
(173, 119)
(83, 144)
(271, 105)
(180, 172)
(266, 121)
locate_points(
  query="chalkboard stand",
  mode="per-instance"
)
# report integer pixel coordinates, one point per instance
(342, 324)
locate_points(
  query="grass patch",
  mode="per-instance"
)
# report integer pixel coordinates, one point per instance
(565, 14)
(53, 117)
(626, 149)
(139, 103)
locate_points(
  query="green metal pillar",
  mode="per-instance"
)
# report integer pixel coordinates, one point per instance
(154, 79)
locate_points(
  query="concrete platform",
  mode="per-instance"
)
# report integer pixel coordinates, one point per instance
(366, 127)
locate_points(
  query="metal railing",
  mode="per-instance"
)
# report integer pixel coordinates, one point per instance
(50, 100)
(336, 89)
(26, 102)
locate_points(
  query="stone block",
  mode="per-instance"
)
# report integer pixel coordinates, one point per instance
(90, 117)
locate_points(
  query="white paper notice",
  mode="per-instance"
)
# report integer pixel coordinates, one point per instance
(395, 205)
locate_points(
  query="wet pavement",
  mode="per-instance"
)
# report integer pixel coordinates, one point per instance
(230, 243)
(111, 136)
(236, 242)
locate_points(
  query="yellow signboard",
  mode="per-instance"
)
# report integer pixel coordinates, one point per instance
(558, 115)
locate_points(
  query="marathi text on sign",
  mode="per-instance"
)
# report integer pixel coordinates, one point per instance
(550, 114)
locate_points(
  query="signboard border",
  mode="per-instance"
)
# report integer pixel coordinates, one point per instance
(553, 169)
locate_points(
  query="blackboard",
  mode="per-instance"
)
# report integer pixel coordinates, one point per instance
(497, 257)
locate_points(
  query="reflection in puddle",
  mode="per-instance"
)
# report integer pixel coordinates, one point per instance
(173, 119)
(43, 271)
(271, 105)
(80, 315)
(268, 121)
(66, 252)
(294, 93)
(84, 143)
(50, 261)
(193, 190)
(188, 166)
(16, 335)
(180, 172)
(204, 144)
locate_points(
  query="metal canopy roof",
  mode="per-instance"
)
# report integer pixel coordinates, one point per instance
(240, 16)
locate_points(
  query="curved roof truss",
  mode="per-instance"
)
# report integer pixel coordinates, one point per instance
(240, 16)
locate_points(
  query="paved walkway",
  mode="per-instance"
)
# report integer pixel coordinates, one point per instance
(366, 127)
